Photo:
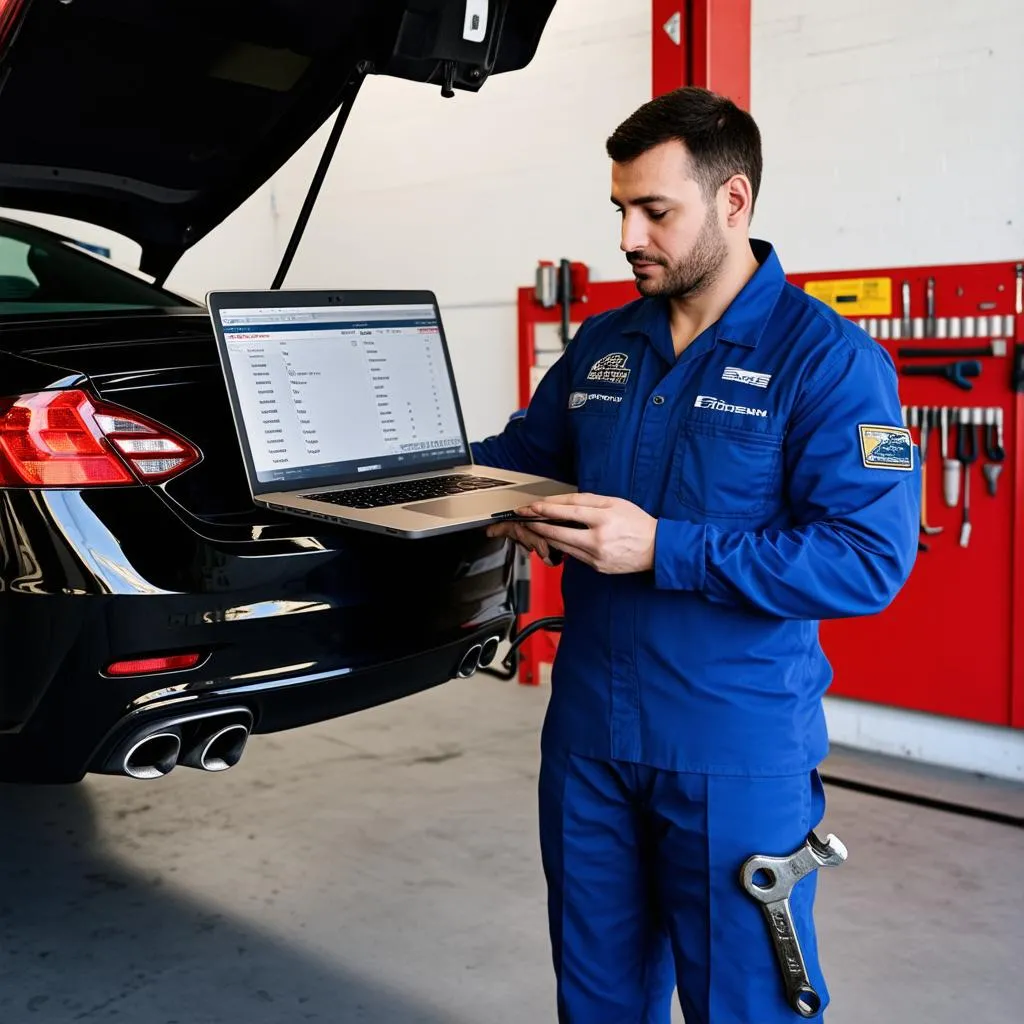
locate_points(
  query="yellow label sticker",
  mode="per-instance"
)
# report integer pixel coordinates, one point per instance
(861, 296)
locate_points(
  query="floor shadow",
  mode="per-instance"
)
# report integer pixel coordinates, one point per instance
(85, 937)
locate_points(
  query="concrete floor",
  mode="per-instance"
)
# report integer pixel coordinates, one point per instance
(384, 869)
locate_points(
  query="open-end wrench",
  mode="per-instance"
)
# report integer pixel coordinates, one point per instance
(770, 880)
(955, 372)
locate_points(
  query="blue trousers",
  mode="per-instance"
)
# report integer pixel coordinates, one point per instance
(644, 897)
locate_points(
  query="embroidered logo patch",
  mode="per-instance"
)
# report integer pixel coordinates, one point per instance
(886, 447)
(610, 369)
(578, 399)
(710, 402)
(757, 380)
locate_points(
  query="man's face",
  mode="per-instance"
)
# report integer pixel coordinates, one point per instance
(672, 237)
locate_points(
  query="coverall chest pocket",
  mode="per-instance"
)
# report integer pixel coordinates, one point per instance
(726, 471)
(592, 427)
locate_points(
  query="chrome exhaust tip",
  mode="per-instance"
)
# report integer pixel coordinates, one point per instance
(470, 661)
(219, 751)
(153, 756)
(210, 740)
(489, 651)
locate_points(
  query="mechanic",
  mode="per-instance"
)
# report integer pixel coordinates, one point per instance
(743, 472)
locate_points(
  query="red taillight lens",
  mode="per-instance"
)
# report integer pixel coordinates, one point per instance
(65, 439)
(146, 666)
(10, 14)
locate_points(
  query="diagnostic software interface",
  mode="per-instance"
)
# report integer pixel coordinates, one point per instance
(342, 391)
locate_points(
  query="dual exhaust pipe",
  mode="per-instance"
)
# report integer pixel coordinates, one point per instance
(214, 741)
(210, 741)
(477, 657)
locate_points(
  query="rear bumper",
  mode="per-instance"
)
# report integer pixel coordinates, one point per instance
(64, 749)
(294, 629)
(279, 704)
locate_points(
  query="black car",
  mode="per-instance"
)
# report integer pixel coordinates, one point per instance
(150, 613)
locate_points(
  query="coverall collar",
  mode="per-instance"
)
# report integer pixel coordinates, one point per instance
(743, 322)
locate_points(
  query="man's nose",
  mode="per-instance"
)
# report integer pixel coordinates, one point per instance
(634, 234)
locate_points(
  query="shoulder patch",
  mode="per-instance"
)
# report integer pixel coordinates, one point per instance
(886, 447)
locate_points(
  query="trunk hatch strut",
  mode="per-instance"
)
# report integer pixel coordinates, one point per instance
(348, 97)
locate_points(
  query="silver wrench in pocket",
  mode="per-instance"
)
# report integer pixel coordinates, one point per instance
(780, 876)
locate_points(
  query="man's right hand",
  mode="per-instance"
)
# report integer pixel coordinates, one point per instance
(525, 538)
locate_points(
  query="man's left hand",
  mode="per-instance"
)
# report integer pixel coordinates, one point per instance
(619, 536)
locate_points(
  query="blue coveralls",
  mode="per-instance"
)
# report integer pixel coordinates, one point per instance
(685, 723)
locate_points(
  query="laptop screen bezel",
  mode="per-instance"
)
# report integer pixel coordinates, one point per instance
(217, 301)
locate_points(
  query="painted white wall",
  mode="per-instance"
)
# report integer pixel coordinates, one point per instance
(891, 130)
(462, 196)
(891, 135)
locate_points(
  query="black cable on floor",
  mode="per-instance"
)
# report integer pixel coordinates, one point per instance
(869, 789)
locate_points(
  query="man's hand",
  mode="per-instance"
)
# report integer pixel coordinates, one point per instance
(523, 536)
(619, 537)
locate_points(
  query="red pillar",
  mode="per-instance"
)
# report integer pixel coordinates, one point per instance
(701, 42)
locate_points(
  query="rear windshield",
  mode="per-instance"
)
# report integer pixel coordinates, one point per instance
(44, 273)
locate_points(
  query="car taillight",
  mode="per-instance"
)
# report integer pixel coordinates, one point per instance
(11, 12)
(65, 439)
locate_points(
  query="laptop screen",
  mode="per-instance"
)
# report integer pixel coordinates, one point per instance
(336, 394)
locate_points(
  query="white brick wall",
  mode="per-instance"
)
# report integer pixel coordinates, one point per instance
(462, 195)
(892, 133)
(893, 130)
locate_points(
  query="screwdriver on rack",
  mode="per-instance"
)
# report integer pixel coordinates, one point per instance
(966, 453)
(950, 467)
(993, 447)
(927, 418)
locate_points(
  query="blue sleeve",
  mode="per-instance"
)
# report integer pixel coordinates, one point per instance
(854, 538)
(538, 442)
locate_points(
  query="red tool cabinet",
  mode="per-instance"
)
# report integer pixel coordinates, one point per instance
(948, 644)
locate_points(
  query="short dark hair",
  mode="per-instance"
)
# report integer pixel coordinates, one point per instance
(721, 138)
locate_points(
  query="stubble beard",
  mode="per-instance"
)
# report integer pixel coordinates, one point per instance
(693, 274)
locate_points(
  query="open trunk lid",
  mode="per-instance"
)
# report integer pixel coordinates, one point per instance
(157, 118)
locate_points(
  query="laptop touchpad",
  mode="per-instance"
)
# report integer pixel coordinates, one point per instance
(484, 503)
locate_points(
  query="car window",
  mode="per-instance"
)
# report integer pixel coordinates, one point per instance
(44, 273)
(16, 278)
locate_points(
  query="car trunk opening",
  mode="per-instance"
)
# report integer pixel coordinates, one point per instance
(158, 119)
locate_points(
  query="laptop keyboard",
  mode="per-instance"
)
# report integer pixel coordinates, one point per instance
(407, 490)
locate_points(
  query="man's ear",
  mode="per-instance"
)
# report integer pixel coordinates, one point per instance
(739, 201)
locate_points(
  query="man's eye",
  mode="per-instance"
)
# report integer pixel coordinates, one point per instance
(656, 214)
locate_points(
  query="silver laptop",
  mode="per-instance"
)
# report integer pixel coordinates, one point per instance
(346, 410)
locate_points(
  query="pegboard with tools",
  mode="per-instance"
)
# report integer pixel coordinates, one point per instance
(947, 644)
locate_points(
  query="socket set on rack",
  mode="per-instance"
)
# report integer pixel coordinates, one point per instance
(987, 324)
(943, 327)
(975, 430)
